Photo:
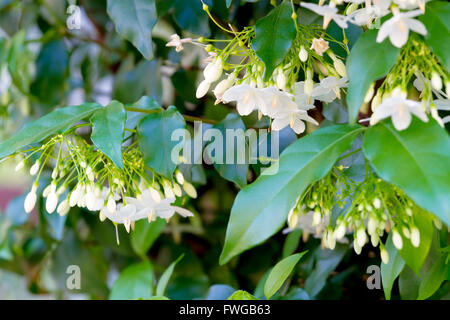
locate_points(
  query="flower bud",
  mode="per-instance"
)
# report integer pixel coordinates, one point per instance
(190, 190)
(293, 218)
(63, 208)
(51, 203)
(372, 226)
(361, 237)
(415, 237)
(155, 195)
(339, 233)
(376, 101)
(75, 196)
(369, 93)
(55, 173)
(281, 80)
(102, 215)
(436, 81)
(202, 89)
(303, 54)
(19, 166)
(356, 247)
(374, 239)
(179, 177)
(46, 191)
(221, 87)
(309, 86)
(35, 168)
(213, 70)
(177, 190)
(437, 223)
(317, 217)
(384, 255)
(340, 67)
(30, 201)
(406, 232)
(377, 203)
(397, 240)
(111, 204)
(331, 240)
(351, 8)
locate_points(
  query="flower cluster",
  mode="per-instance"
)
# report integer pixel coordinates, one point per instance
(417, 84)
(368, 12)
(310, 71)
(336, 205)
(83, 176)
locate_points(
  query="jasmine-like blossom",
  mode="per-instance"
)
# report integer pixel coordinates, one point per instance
(247, 98)
(319, 46)
(328, 12)
(397, 28)
(411, 4)
(329, 88)
(399, 109)
(366, 15)
(177, 42)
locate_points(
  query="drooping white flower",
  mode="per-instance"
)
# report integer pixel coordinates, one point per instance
(202, 89)
(411, 4)
(177, 42)
(329, 88)
(328, 12)
(190, 190)
(397, 28)
(247, 98)
(303, 54)
(366, 15)
(63, 207)
(384, 255)
(397, 240)
(302, 97)
(399, 109)
(52, 202)
(35, 168)
(415, 236)
(30, 201)
(213, 70)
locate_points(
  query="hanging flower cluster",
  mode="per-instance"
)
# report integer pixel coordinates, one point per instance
(418, 84)
(369, 12)
(367, 210)
(83, 176)
(288, 93)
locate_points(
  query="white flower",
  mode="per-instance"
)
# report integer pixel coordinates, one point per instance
(223, 85)
(328, 12)
(397, 28)
(301, 97)
(34, 168)
(30, 201)
(397, 240)
(319, 46)
(400, 109)
(213, 70)
(329, 89)
(365, 15)
(202, 89)
(384, 256)
(124, 215)
(177, 42)
(294, 119)
(361, 237)
(411, 4)
(303, 54)
(247, 97)
(51, 203)
(63, 208)
(415, 237)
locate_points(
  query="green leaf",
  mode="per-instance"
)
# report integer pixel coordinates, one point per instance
(49, 124)
(437, 21)
(190, 16)
(416, 160)
(280, 273)
(261, 208)
(162, 284)
(234, 172)
(108, 126)
(415, 257)
(391, 270)
(154, 134)
(241, 295)
(135, 282)
(368, 61)
(133, 118)
(134, 21)
(273, 37)
(145, 235)
(291, 242)
(52, 70)
(408, 283)
(433, 279)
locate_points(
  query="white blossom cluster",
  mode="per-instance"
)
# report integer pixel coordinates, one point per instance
(100, 186)
(366, 12)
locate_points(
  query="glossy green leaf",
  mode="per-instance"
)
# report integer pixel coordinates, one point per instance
(145, 234)
(133, 118)
(164, 280)
(52, 70)
(391, 270)
(135, 282)
(155, 138)
(368, 61)
(108, 126)
(49, 124)
(280, 273)
(433, 279)
(261, 208)
(291, 242)
(273, 37)
(416, 160)
(241, 295)
(134, 21)
(437, 21)
(415, 257)
(234, 172)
